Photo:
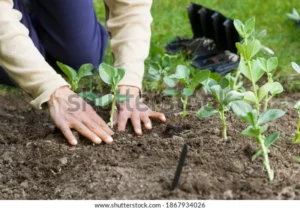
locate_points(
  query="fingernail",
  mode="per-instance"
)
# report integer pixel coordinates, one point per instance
(98, 140)
(148, 125)
(74, 142)
(164, 118)
(110, 140)
(139, 131)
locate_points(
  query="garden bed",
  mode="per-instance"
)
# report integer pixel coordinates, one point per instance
(36, 162)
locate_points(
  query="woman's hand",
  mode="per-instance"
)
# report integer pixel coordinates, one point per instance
(135, 110)
(68, 111)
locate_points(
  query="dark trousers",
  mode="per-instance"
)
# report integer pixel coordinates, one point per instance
(65, 31)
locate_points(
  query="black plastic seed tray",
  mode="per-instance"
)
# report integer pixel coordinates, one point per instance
(214, 36)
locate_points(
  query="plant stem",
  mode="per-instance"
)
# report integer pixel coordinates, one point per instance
(237, 76)
(257, 105)
(267, 102)
(113, 109)
(296, 140)
(74, 86)
(184, 103)
(266, 158)
(224, 125)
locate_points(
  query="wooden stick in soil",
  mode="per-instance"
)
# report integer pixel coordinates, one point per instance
(180, 165)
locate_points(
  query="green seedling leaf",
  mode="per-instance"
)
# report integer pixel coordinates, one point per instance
(263, 128)
(218, 93)
(170, 93)
(252, 49)
(272, 64)
(85, 70)
(262, 62)
(88, 95)
(297, 106)
(69, 71)
(169, 82)
(215, 76)
(294, 15)
(182, 72)
(250, 26)
(296, 140)
(264, 90)
(240, 48)
(270, 115)
(107, 73)
(257, 71)
(276, 88)
(250, 118)
(255, 74)
(262, 34)
(224, 83)
(268, 142)
(206, 111)
(119, 74)
(297, 159)
(241, 108)
(200, 77)
(104, 100)
(251, 132)
(239, 26)
(122, 98)
(188, 92)
(250, 97)
(153, 71)
(233, 96)
(296, 67)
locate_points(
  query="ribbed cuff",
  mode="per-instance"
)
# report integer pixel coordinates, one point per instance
(49, 89)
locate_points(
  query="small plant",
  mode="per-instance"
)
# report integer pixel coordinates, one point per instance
(223, 96)
(253, 69)
(294, 15)
(111, 76)
(190, 80)
(296, 140)
(256, 129)
(161, 66)
(157, 76)
(84, 71)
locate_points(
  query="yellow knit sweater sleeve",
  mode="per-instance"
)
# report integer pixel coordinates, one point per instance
(22, 61)
(129, 23)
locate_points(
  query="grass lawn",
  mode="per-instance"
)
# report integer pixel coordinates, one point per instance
(170, 19)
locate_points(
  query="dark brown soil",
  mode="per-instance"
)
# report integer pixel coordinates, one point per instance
(36, 162)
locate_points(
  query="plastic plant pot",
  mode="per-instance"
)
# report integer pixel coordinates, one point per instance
(194, 19)
(219, 31)
(232, 36)
(206, 22)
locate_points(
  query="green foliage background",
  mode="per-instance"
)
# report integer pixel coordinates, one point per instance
(170, 19)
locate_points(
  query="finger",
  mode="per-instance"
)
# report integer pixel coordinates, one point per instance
(100, 122)
(83, 130)
(96, 129)
(147, 122)
(122, 120)
(136, 122)
(158, 115)
(68, 135)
